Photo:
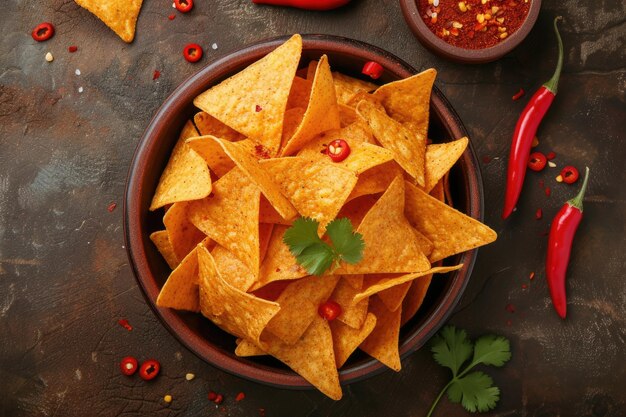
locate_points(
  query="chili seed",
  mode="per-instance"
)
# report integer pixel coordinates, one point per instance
(462, 6)
(457, 25)
(189, 376)
(503, 35)
(49, 57)
(167, 398)
(551, 164)
(480, 18)
(559, 178)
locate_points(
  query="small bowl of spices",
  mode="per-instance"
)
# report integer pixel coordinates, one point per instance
(471, 31)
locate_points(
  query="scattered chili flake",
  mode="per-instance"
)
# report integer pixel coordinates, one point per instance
(570, 174)
(519, 94)
(212, 396)
(548, 191)
(125, 324)
(538, 214)
(112, 205)
(372, 69)
(149, 369)
(510, 308)
(261, 152)
(240, 396)
(156, 75)
(277, 269)
(43, 32)
(72, 49)
(219, 399)
(258, 108)
(531, 276)
(524, 286)
(486, 159)
(172, 17)
(550, 156)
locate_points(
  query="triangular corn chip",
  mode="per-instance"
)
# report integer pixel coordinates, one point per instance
(375, 180)
(426, 246)
(438, 192)
(347, 115)
(268, 214)
(298, 306)
(392, 297)
(382, 343)
(209, 125)
(347, 87)
(390, 243)
(180, 291)
(440, 158)
(231, 219)
(265, 234)
(293, 118)
(254, 100)
(237, 312)
(321, 114)
(355, 210)
(214, 155)
(352, 314)
(119, 15)
(163, 245)
(231, 269)
(415, 297)
(450, 230)
(409, 149)
(186, 176)
(300, 93)
(182, 234)
(346, 339)
(246, 348)
(279, 263)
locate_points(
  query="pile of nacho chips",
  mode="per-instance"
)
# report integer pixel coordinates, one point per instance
(254, 159)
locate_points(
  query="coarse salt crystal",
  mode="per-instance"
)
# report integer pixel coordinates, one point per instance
(80, 89)
(77, 72)
(214, 46)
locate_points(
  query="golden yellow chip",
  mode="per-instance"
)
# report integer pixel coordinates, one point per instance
(182, 234)
(209, 125)
(347, 87)
(408, 148)
(321, 114)
(375, 180)
(438, 192)
(382, 343)
(390, 243)
(235, 311)
(293, 118)
(268, 214)
(300, 93)
(352, 314)
(440, 158)
(163, 245)
(279, 263)
(180, 291)
(415, 297)
(312, 356)
(246, 348)
(231, 269)
(317, 189)
(450, 230)
(185, 177)
(213, 154)
(392, 297)
(231, 219)
(426, 246)
(355, 210)
(347, 115)
(298, 306)
(265, 233)
(346, 339)
(408, 101)
(254, 100)
(355, 281)
(119, 15)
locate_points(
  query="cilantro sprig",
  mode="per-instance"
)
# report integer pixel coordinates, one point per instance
(317, 256)
(475, 391)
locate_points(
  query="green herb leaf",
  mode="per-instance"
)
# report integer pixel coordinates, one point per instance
(475, 391)
(451, 348)
(301, 235)
(492, 350)
(316, 258)
(348, 245)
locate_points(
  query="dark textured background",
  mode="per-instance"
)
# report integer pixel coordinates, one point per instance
(64, 156)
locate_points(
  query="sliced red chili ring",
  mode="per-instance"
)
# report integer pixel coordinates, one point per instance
(372, 69)
(537, 161)
(128, 365)
(329, 310)
(569, 174)
(183, 6)
(43, 32)
(192, 52)
(338, 150)
(149, 369)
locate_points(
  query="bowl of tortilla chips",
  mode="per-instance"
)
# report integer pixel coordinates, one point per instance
(240, 152)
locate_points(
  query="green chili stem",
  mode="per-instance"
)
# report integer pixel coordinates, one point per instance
(553, 83)
(578, 200)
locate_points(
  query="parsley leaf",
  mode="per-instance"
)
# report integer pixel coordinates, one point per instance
(475, 391)
(317, 256)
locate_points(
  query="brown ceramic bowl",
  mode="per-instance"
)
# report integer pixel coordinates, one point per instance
(462, 55)
(199, 334)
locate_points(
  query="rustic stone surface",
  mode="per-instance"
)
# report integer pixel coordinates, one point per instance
(64, 155)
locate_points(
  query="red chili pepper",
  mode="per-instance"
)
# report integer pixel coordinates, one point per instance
(128, 365)
(192, 52)
(149, 369)
(525, 131)
(560, 241)
(569, 174)
(519, 94)
(537, 161)
(373, 69)
(306, 4)
(338, 150)
(43, 32)
(183, 6)
(329, 310)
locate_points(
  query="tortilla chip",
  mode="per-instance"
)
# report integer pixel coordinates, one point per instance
(347, 87)
(440, 158)
(321, 114)
(254, 100)
(375, 180)
(317, 189)
(355, 281)
(408, 148)
(237, 312)
(119, 15)
(213, 154)
(231, 269)
(231, 219)
(347, 115)
(279, 263)
(209, 125)
(312, 357)
(163, 245)
(426, 246)
(352, 314)
(299, 93)
(180, 291)
(376, 283)
(265, 233)
(446, 190)
(268, 214)
(246, 348)
(185, 177)
(298, 306)
(382, 343)
(437, 191)
(450, 230)
(355, 210)
(408, 101)
(293, 118)
(182, 234)
(390, 243)
(392, 297)
(272, 290)
(346, 339)
(415, 297)
(311, 68)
